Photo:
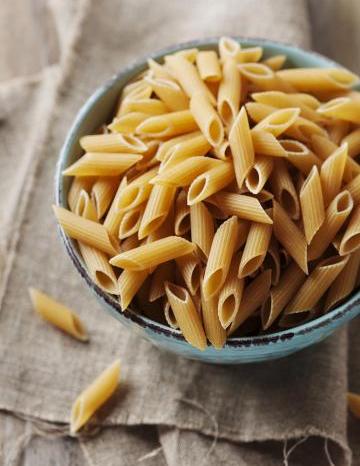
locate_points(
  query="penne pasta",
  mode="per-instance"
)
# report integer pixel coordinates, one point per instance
(162, 273)
(256, 246)
(343, 108)
(220, 256)
(303, 130)
(272, 261)
(168, 124)
(290, 281)
(345, 283)
(241, 147)
(259, 174)
(229, 95)
(208, 66)
(249, 55)
(265, 143)
(182, 215)
(114, 215)
(222, 152)
(206, 118)
(147, 106)
(278, 121)
(188, 54)
(83, 183)
(245, 207)
(136, 90)
(353, 142)
(193, 147)
(332, 172)
(85, 207)
(129, 283)
(153, 254)
(130, 243)
(215, 333)
(186, 315)
(137, 191)
(102, 164)
(276, 62)
(290, 236)
(127, 123)
(189, 267)
(158, 70)
(312, 204)
(169, 315)
(354, 189)
(228, 48)
(318, 79)
(58, 315)
(202, 228)
(264, 77)
(337, 129)
(94, 396)
(210, 182)
(353, 401)
(253, 297)
(167, 147)
(118, 143)
(170, 93)
(130, 222)
(90, 232)
(284, 190)
(230, 295)
(336, 215)
(103, 192)
(300, 155)
(351, 239)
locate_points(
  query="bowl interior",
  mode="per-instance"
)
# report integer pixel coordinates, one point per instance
(100, 107)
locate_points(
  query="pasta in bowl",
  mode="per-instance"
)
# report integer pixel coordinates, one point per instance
(215, 207)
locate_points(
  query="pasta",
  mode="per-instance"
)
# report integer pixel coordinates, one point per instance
(353, 400)
(152, 254)
(58, 315)
(312, 204)
(241, 147)
(221, 181)
(186, 315)
(221, 252)
(94, 396)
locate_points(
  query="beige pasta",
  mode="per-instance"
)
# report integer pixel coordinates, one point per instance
(182, 215)
(220, 256)
(242, 147)
(167, 147)
(210, 182)
(280, 295)
(318, 79)
(188, 54)
(228, 48)
(229, 94)
(152, 254)
(58, 315)
(130, 222)
(253, 297)
(290, 236)
(190, 270)
(249, 55)
(351, 239)
(272, 261)
(317, 283)
(170, 93)
(337, 130)
(114, 215)
(276, 62)
(208, 66)
(222, 152)
(83, 183)
(214, 331)
(158, 70)
(168, 124)
(128, 122)
(102, 164)
(278, 121)
(90, 232)
(312, 204)
(256, 246)
(245, 207)
(264, 77)
(188, 77)
(353, 400)
(147, 106)
(85, 207)
(118, 143)
(332, 172)
(299, 155)
(354, 189)
(136, 90)
(230, 295)
(193, 147)
(103, 192)
(353, 142)
(303, 129)
(137, 191)
(186, 315)
(343, 108)
(336, 215)
(129, 283)
(284, 190)
(202, 228)
(265, 143)
(258, 112)
(206, 118)
(162, 273)
(259, 174)
(322, 146)
(345, 283)
(169, 315)
(94, 396)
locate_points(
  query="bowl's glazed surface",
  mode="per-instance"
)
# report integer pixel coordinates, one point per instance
(98, 108)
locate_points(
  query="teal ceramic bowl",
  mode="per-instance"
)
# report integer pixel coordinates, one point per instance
(98, 108)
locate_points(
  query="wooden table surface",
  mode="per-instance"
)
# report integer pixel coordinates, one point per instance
(30, 40)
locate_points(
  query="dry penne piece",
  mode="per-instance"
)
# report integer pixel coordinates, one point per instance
(83, 183)
(335, 216)
(337, 130)
(299, 155)
(170, 93)
(264, 77)
(242, 147)
(229, 94)
(189, 267)
(312, 204)
(187, 317)
(168, 124)
(162, 273)
(127, 123)
(256, 246)
(202, 228)
(345, 283)
(94, 396)
(214, 331)
(137, 191)
(228, 48)
(272, 261)
(284, 190)
(189, 54)
(332, 172)
(130, 222)
(222, 152)
(167, 147)
(276, 62)
(206, 118)
(318, 79)
(230, 295)
(343, 108)
(290, 236)
(290, 281)
(220, 256)
(265, 143)
(129, 283)
(102, 164)
(253, 297)
(354, 189)
(147, 106)
(58, 314)
(279, 121)
(249, 54)
(353, 400)
(182, 215)
(103, 192)
(245, 207)
(169, 315)
(353, 142)
(210, 182)
(208, 66)
(259, 174)
(118, 143)
(136, 90)
(158, 70)
(191, 147)
(85, 207)
(152, 254)
(90, 232)
(351, 239)
(114, 215)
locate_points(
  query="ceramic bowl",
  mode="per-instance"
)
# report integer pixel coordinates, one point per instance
(98, 108)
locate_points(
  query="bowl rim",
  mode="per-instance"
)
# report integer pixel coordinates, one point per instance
(139, 319)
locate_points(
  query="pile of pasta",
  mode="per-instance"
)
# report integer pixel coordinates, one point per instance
(223, 197)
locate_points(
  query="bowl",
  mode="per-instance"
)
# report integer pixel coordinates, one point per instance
(97, 109)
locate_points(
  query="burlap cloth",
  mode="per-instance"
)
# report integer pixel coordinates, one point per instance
(168, 411)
